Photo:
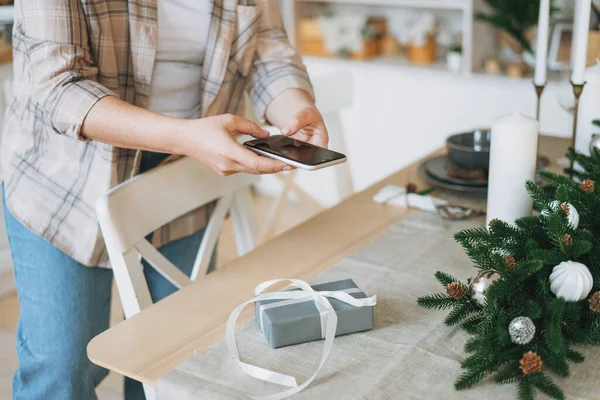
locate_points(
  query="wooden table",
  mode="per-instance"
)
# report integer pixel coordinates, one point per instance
(155, 341)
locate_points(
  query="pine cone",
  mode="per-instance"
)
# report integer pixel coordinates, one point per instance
(509, 260)
(587, 186)
(595, 302)
(531, 363)
(567, 240)
(492, 222)
(411, 188)
(455, 290)
(565, 208)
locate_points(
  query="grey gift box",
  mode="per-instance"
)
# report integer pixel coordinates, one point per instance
(300, 322)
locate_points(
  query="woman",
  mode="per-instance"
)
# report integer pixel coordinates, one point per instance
(102, 91)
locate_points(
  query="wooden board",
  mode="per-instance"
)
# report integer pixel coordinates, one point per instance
(153, 342)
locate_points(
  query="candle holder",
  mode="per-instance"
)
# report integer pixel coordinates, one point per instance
(577, 89)
(539, 89)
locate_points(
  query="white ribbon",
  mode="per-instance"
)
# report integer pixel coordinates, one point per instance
(328, 325)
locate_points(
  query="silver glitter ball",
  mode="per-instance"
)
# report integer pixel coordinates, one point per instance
(521, 330)
(480, 284)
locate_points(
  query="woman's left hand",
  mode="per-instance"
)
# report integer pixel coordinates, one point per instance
(307, 126)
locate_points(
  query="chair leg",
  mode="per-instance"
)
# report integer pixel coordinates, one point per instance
(211, 236)
(288, 183)
(131, 282)
(306, 198)
(150, 392)
(243, 221)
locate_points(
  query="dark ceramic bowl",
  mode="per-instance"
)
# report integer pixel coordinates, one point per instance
(470, 150)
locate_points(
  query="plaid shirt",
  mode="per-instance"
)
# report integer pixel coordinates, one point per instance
(68, 54)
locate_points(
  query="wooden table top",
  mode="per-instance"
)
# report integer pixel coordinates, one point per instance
(155, 341)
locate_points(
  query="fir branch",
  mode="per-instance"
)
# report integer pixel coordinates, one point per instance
(525, 389)
(459, 313)
(438, 301)
(552, 330)
(556, 362)
(472, 235)
(555, 179)
(579, 248)
(552, 256)
(545, 385)
(444, 278)
(532, 310)
(509, 374)
(575, 356)
(472, 324)
(468, 378)
(537, 194)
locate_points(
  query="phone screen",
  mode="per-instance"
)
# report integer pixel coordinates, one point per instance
(302, 152)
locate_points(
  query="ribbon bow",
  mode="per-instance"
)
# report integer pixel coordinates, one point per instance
(328, 326)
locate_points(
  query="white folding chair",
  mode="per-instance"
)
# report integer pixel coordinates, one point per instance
(132, 210)
(333, 93)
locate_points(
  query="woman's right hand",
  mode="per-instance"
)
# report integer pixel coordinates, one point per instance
(212, 141)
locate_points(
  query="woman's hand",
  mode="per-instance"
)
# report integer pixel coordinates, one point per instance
(294, 112)
(212, 141)
(307, 126)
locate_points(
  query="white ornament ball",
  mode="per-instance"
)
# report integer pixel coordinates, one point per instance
(521, 330)
(480, 284)
(571, 281)
(573, 217)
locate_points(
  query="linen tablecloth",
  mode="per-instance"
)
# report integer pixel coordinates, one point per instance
(410, 354)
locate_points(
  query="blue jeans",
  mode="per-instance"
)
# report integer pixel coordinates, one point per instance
(63, 306)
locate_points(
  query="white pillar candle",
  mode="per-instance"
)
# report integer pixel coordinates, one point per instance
(513, 157)
(576, 22)
(580, 40)
(589, 109)
(541, 51)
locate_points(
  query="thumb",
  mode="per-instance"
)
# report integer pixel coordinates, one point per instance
(245, 126)
(298, 121)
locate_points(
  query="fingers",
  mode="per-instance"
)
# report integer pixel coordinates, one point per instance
(255, 164)
(242, 125)
(298, 121)
(239, 159)
(307, 125)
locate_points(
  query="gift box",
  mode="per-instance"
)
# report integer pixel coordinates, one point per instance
(287, 322)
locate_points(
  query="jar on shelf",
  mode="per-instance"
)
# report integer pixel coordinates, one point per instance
(422, 53)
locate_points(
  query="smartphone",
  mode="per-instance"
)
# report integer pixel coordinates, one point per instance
(295, 153)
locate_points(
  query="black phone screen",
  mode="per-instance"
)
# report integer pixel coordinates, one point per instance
(295, 150)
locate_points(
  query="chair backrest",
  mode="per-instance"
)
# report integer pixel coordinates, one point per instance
(135, 208)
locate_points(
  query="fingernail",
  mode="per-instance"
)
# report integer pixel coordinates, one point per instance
(288, 168)
(285, 131)
(266, 132)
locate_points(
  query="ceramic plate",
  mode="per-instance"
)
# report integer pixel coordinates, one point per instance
(438, 168)
(476, 190)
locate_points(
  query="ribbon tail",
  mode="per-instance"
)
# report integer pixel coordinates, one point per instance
(268, 375)
(252, 370)
(331, 322)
